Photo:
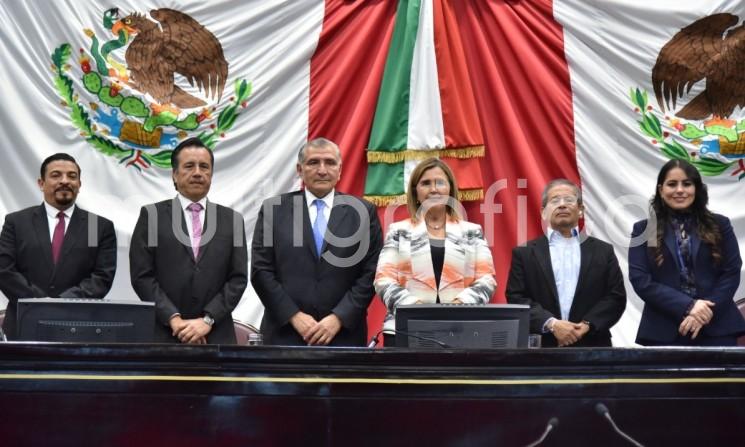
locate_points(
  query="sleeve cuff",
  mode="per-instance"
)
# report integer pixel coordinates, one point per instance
(548, 325)
(689, 308)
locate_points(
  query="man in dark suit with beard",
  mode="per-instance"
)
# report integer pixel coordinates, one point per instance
(56, 249)
(188, 255)
(314, 255)
(572, 282)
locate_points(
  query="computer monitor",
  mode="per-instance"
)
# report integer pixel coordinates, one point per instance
(481, 326)
(85, 320)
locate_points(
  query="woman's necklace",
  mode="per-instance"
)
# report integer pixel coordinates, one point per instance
(433, 226)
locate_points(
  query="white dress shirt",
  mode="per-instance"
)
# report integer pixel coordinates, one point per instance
(565, 261)
(313, 211)
(187, 213)
(52, 217)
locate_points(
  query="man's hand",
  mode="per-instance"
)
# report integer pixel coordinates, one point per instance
(193, 331)
(568, 333)
(176, 323)
(302, 323)
(702, 311)
(690, 325)
(583, 328)
(324, 331)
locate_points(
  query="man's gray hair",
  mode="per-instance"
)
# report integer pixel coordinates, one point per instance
(318, 143)
(558, 182)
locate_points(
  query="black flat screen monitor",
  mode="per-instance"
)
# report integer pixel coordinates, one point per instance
(479, 326)
(85, 320)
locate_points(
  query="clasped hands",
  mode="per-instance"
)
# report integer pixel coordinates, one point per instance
(316, 333)
(193, 331)
(568, 333)
(699, 316)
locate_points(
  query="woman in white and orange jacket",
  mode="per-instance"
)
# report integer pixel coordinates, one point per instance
(434, 256)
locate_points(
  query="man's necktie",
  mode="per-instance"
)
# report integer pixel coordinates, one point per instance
(196, 227)
(319, 226)
(59, 236)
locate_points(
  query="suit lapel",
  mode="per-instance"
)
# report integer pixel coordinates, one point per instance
(543, 257)
(75, 232)
(174, 206)
(695, 244)
(585, 261)
(336, 218)
(421, 256)
(454, 256)
(309, 241)
(41, 231)
(671, 245)
(210, 220)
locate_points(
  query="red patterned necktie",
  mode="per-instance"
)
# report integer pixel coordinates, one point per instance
(59, 236)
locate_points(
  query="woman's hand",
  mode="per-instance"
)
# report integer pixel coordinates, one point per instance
(702, 311)
(690, 326)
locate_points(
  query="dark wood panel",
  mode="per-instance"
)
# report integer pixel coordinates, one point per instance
(56, 394)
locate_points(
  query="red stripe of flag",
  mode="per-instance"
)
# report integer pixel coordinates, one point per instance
(345, 75)
(515, 58)
(514, 54)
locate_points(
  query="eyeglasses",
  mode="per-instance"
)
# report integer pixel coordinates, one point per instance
(568, 200)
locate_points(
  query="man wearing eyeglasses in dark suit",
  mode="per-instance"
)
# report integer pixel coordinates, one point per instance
(571, 281)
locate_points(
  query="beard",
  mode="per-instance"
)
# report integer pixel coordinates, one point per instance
(64, 197)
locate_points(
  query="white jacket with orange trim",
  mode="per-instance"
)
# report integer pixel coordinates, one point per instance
(405, 273)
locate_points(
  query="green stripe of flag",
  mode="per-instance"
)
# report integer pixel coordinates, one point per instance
(385, 179)
(391, 123)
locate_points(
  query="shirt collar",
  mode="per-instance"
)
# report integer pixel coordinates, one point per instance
(52, 211)
(551, 232)
(328, 199)
(186, 202)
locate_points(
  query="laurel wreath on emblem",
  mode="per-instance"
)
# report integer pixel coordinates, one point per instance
(146, 126)
(715, 144)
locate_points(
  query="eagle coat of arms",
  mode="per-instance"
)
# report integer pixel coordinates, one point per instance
(138, 111)
(703, 65)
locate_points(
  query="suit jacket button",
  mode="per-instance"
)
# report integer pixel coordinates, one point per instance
(196, 269)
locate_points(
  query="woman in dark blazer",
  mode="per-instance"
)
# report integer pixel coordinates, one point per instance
(684, 263)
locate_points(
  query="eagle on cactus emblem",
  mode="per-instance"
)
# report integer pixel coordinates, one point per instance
(701, 65)
(166, 86)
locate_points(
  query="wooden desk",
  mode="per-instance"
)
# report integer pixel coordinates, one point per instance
(143, 395)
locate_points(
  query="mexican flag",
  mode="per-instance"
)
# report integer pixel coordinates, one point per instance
(426, 106)
(510, 93)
